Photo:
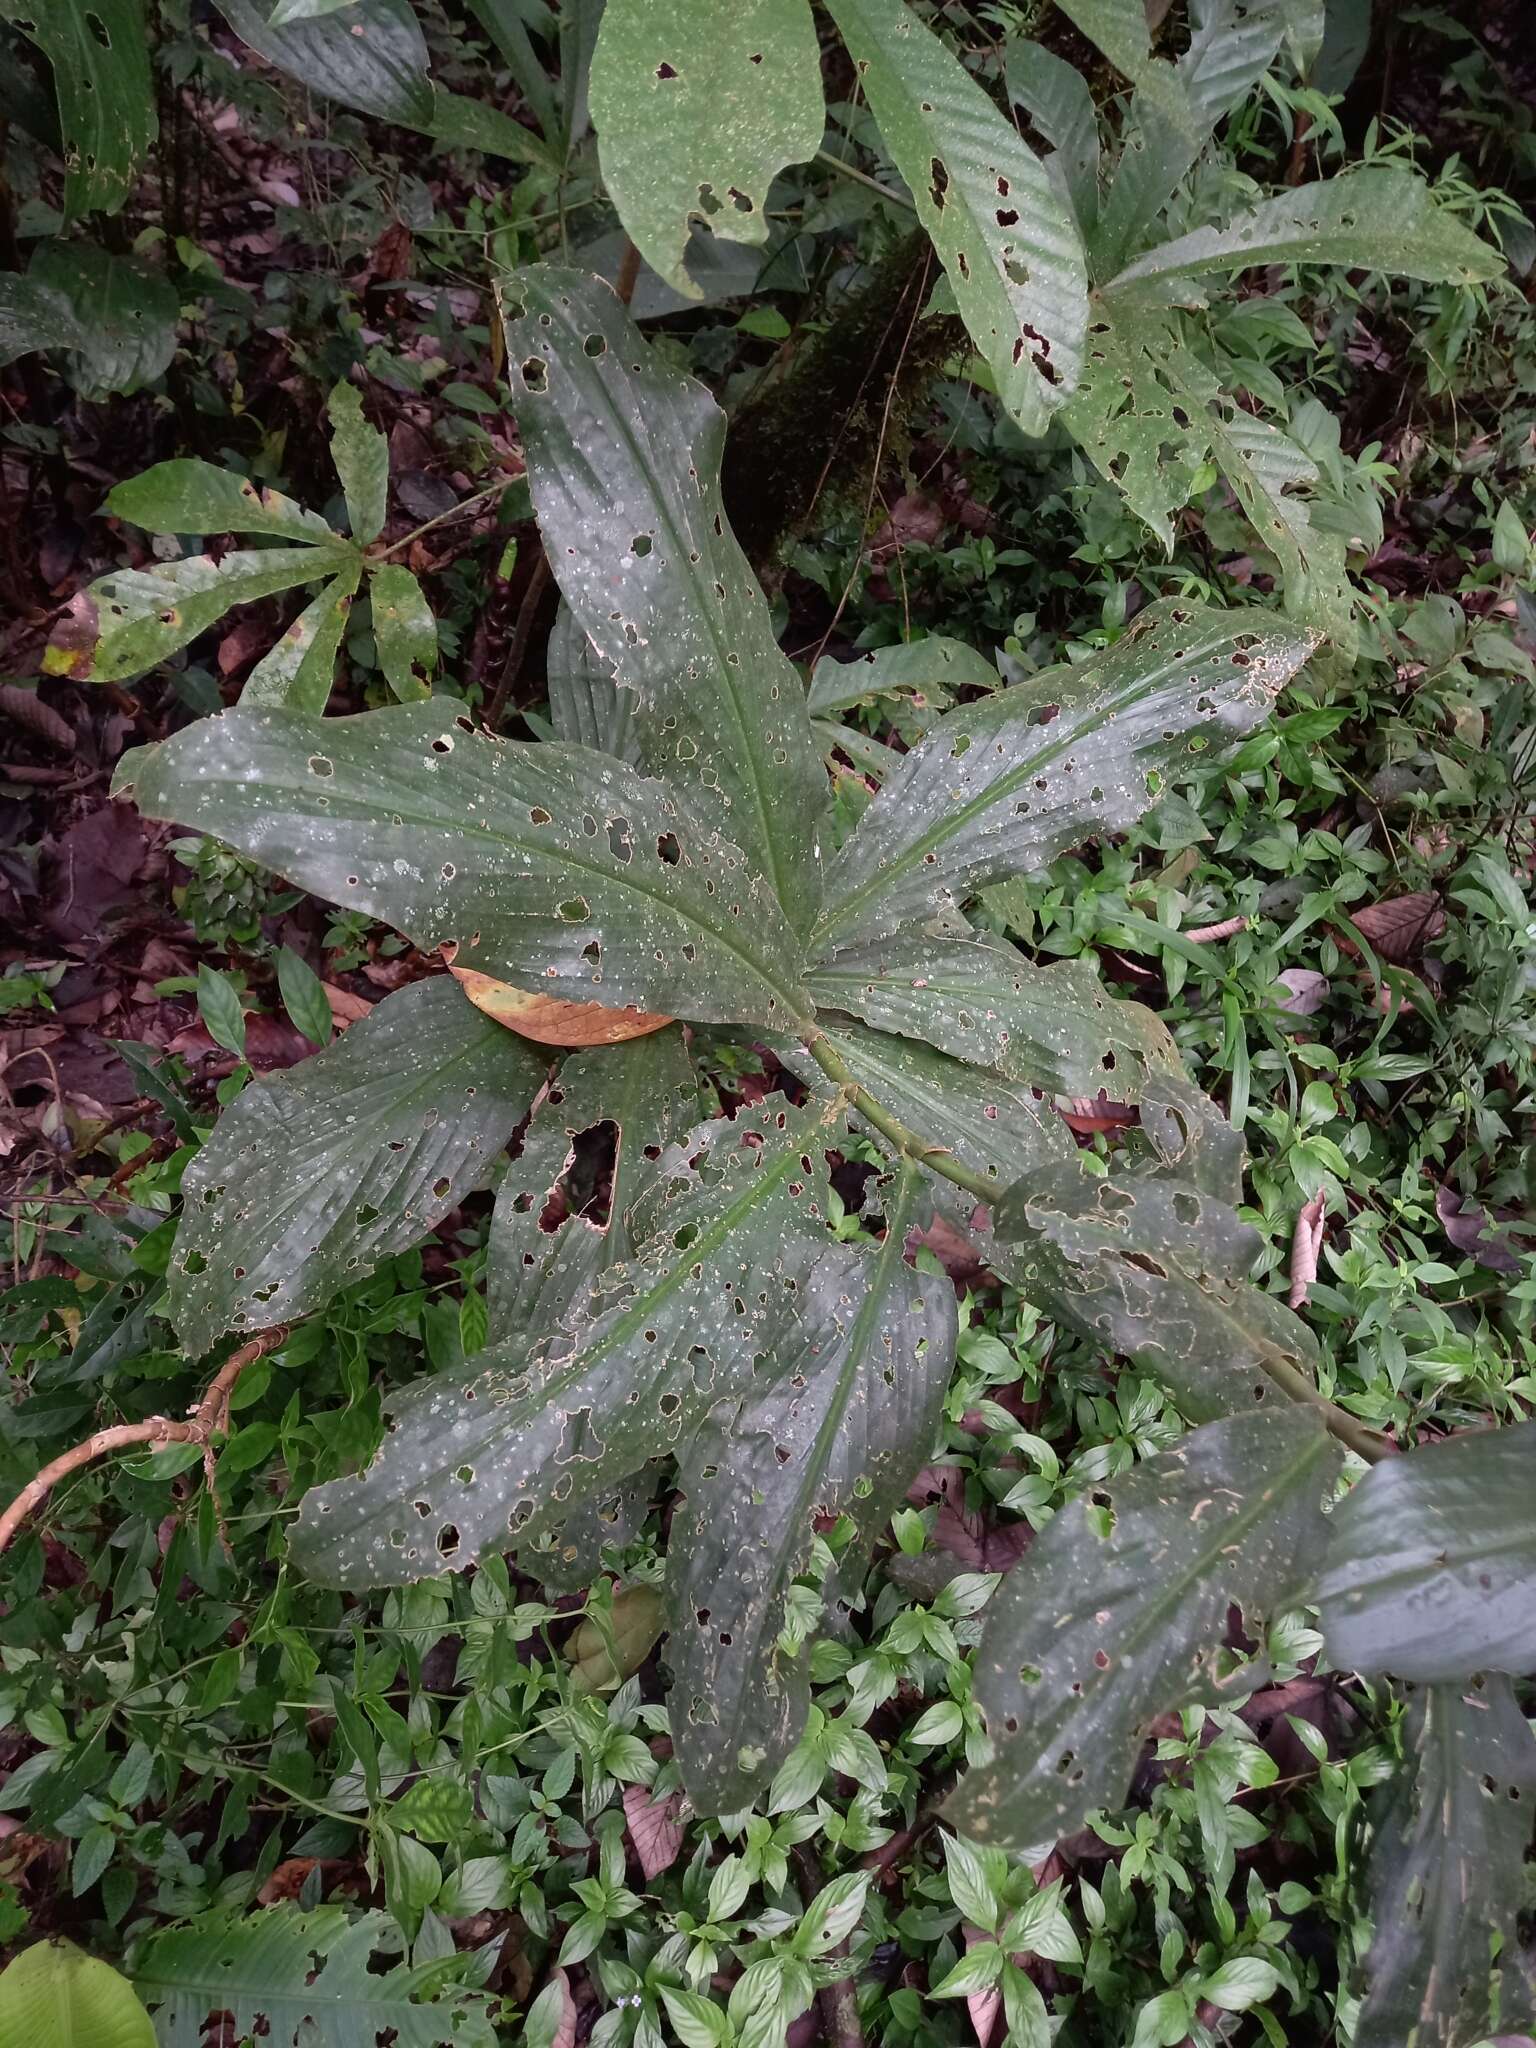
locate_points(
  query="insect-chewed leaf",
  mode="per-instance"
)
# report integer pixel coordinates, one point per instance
(549, 1021)
(361, 455)
(931, 669)
(316, 1173)
(1002, 786)
(847, 1421)
(729, 1226)
(404, 630)
(547, 864)
(1431, 1568)
(1055, 1027)
(289, 1977)
(1152, 1268)
(188, 496)
(1188, 1139)
(297, 673)
(609, 1112)
(127, 622)
(1381, 218)
(1117, 1613)
(698, 107)
(1452, 1830)
(1012, 252)
(623, 457)
(373, 59)
(586, 706)
(106, 94)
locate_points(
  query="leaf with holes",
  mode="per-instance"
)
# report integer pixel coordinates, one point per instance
(623, 458)
(1054, 1027)
(550, 867)
(1431, 1568)
(1120, 29)
(930, 670)
(133, 619)
(1381, 218)
(99, 51)
(1444, 1883)
(1154, 1269)
(404, 631)
(849, 1415)
(319, 1171)
(289, 1978)
(1001, 787)
(1116, 1614)
(698, 106)
(1012, 252)
(361, 455)
(728, 1226)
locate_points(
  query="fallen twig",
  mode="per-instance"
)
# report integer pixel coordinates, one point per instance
(209, 1418)
(1306, 1243)
(838, 2003)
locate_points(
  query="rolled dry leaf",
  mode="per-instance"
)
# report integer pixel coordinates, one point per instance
(26, 708)
(1306, 1244)
(548, 1020)
(1204, 933)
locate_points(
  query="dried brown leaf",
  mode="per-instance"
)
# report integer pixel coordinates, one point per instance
(1402, 926)
(549, 1021)
(654, 1828)
(1306, 1244)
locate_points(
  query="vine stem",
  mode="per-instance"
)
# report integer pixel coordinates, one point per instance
(1348, 1429)
(460, 511)
(211, 1415)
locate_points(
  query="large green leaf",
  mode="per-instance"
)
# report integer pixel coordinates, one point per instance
(850, 1415)
(53, 1995)
(1002, 786)
(298, 671)
(292, 1978)
(318, 1172)
(404, 630)
(931, 670)
(561, 871)
(1120, 29)
(1117, 1613)
(361, 455)
(729, 1226)
(698, 105)
(106, 95)
(129, 621)
(1431, 1568)
(1452, 1831)
(1056, 97)
(623, 457)
(188, 496)
(586, 705)
(35, 316)
(538, 1264)
(1054, 1027)
(1013, 254)
(1155, 1269)
(125, 314)
(1381, 218)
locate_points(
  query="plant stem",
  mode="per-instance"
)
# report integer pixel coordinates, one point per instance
(458, 511)
(1349, 1430)
(825, 156)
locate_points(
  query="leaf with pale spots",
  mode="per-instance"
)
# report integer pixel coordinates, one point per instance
(361, 455)
(623, 455)
(550, 867)
(188, 496)
(840, 1429)
(1002, 786)
(105, 91)
(298, 672)
(729, 1224)
(318, 1172)
(1118, 1610)
(404, 631)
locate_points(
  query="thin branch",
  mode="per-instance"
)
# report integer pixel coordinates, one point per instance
(629, 273)
(825, 156)
(209, 1418)
(522, 632)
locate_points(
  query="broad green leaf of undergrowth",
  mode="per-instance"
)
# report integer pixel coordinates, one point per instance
(188, 496)
(561, 871)
(53, 1995)
(125, 314)
(1012, 252)
(1117, 1614)
(586, 706)
(404, 631)
(101, 77)
(317, 1172)
(35, 316)
(1057, 99)
(1055, 1027)
(1002, 786)
(1154, 1269)
(1431, 1566)
(1451, 1833)
(361, 455)
(847, 1419)
(698, 104)
(297, 672)
(1380, 218)
(1119, 28)
(623, 457)
(132, 619)
(289, 1977)
(930, 670)
(728, 1227)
